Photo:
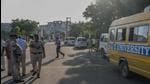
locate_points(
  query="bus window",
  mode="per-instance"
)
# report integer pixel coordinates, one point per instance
(112, 35)
(121, 34)
(139, 34)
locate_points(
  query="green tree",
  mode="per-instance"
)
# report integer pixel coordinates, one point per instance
(103, 12)
(24, 27)
(76, 29)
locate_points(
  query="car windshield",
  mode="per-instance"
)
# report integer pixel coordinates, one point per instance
(71, 38)
(81, 39)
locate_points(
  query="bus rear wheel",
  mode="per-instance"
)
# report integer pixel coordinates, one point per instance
(124, 69)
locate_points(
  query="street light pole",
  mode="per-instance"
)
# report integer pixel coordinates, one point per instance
(68, 23)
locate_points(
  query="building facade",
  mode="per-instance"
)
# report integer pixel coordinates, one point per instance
(53, 29)
(5, 30)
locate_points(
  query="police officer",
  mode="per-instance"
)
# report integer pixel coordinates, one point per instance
(2, 55)
(8, 54)
(31, 49)
(16, 53)
(37, 52)
(22, 43)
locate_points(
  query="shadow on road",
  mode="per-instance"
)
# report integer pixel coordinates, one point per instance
(45, 63)
(4, 77)
(79, 48)
(95, 70)
(8, 82)
(30, 80)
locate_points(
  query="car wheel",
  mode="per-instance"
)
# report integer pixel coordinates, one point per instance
(124, 69)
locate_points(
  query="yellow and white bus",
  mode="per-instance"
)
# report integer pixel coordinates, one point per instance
(129, 44)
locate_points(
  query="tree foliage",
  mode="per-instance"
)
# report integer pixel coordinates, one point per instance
(103, 12)
(24, 27)
(82, 29)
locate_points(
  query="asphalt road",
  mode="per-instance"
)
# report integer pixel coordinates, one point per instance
(77, 67)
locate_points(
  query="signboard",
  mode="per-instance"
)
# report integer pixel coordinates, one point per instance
(135, 49)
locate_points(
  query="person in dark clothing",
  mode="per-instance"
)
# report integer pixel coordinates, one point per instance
(58, 46)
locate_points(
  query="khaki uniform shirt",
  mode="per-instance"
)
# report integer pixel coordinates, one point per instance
(36, 47)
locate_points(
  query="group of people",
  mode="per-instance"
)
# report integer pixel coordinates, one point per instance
(15, 48)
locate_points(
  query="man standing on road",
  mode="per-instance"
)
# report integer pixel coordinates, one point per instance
(37, 52)
(16, 54)
(8, 54)
(2, 55)
(31, 49)
(58, 46)
(22, 43)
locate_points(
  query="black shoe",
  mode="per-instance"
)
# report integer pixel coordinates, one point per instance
(2, 69)
(34, 73)
(21, 80)
(23, 74)
(17, 81)
(56, 57)
(38, 75)
(9, 74)
(63, 55)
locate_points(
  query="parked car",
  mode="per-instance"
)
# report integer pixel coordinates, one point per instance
(81, 42)
(103, 44)
(70, 41)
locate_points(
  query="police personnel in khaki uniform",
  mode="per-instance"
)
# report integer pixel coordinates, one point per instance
(2, 55)
(16, 53)
(37, 52)
(8, 54)
(31, 57)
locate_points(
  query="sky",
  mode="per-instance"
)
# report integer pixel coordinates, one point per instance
(43, 11)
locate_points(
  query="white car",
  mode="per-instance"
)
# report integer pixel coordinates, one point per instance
(70, 41)
(103, 44)
(81, 42)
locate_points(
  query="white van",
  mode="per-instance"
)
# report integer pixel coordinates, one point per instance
(70, 41)
(81, 42)
(103, 44)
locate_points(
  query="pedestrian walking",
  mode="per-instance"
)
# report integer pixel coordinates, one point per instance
(16, 56)
(37, 52)
(2, 55)
(90, 45)
(58, 47)
(22, 43)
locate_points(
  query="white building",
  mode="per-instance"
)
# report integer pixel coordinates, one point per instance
(53, 28)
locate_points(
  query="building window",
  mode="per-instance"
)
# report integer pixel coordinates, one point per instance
(112, 35)
(139, 33)
(121, 34)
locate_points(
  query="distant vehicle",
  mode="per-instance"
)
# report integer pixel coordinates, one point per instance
(70, 41)
(81, 42)
(129, 44)
(147, 9)
(103, 44)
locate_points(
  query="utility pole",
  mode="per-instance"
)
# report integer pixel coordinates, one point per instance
(68, 23)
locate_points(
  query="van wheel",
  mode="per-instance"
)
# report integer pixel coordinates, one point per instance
(124, 69)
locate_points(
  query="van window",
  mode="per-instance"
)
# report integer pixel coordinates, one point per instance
(139, 33)
(121, 34)
(104, 39)
(112, 35)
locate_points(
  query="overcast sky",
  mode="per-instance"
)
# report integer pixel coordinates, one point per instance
(43, 11)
